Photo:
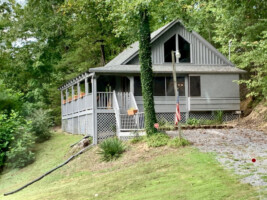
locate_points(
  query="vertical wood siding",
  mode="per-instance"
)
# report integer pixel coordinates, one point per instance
(201, 54)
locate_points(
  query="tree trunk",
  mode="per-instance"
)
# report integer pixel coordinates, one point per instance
(146, 72)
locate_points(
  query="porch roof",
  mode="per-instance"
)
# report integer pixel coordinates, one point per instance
(167, 68)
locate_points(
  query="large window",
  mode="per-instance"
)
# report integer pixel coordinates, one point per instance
(184, 49)
(194, 82)
(162, 86)
(159, 86)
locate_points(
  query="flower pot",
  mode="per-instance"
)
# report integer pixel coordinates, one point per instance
(132, 112)
(69, 99)
(75, 97)
(82, 94)
(64, 101)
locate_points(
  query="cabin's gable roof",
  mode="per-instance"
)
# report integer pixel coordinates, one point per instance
(131, 52)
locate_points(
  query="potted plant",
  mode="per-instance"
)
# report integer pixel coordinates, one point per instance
(132, 111)
(64, 101)
(69, 99)
(75, 97)
(82, 94)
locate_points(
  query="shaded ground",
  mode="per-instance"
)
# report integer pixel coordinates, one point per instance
(235, 148)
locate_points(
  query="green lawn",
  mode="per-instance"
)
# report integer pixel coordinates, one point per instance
(142, 173)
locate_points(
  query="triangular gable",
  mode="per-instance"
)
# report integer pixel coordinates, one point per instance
(202, 52)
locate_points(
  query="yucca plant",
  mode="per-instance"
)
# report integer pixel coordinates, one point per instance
(111, 149)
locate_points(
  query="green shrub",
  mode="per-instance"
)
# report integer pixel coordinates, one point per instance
(219, 116)
(7, 126)
(178, 142)
(164, 124)
(16, 140)
(193, 121)
(41, 123)
(111, 149)
(157, 140)
(136, 139)
(20, 151)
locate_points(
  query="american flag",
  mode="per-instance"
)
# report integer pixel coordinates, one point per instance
(177, 113)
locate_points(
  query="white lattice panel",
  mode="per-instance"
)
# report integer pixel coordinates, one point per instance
(169, 117)
(227, 116)
(106, 126)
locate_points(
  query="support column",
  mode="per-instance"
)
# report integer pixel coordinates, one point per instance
(72, 107)
(131, 78)
(79, 106)
(62, 98)
(94, 94)
(187, 98)
(86, 104)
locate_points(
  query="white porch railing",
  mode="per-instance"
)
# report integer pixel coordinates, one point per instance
(78, 105)
(117, 112)
(132, 122)
(126, 101)
(104, 100)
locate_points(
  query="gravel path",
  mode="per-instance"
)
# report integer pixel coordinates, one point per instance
(234, 149)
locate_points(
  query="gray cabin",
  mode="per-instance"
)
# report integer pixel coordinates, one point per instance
(96, 102)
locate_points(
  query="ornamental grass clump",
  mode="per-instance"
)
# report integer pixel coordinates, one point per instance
(111, 149)
(157, 140)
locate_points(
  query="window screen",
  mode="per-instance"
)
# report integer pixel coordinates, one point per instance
(159, 86)
(194, 86)
(184, 48)
(137, 86)
(168, 47)
(180, 86)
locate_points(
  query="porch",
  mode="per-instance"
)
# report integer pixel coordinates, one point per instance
(97, 105)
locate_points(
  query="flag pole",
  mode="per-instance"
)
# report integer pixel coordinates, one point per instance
(177, 54)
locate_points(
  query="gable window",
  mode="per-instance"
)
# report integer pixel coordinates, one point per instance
(183, 46)
(169, 46)
(194, 82)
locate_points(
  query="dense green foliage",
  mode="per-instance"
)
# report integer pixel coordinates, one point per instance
(111, 149)
(178, 142)
(16, 140)
(157, 140)
(146, 71)
(40, 125)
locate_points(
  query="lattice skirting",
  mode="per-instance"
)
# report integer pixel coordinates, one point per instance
(106, 126)
(227, 116)
(169, 117)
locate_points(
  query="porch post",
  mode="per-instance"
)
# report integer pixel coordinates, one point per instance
(86, 105)
(94, 95)
(131, 78)
(62, 98)
(79, 106)
(187, 98)
(72, 103)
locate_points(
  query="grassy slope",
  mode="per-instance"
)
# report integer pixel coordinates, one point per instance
(142, 173)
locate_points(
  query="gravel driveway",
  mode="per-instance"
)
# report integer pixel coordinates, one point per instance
(234, 149)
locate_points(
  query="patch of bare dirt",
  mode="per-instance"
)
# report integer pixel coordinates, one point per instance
(257, 119)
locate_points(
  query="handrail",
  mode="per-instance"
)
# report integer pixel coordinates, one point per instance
(133, 102)
(116, 109)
